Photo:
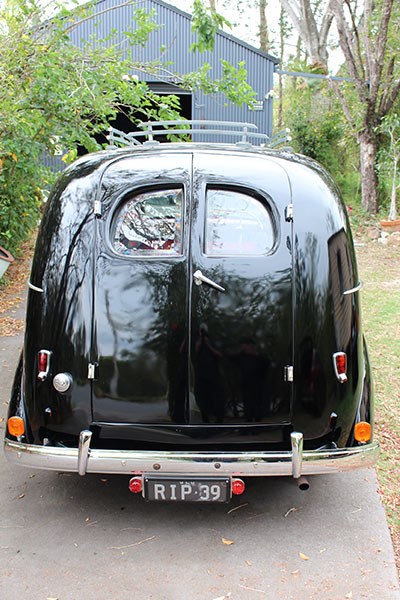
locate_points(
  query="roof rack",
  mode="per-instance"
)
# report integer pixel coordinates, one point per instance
(245, 133)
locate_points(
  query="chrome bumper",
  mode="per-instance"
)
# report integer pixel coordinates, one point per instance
(293, 463)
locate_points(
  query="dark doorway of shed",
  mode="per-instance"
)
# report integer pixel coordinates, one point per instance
(126, 120)
(126, 124)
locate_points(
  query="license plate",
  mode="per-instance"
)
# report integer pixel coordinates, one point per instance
(187, 489)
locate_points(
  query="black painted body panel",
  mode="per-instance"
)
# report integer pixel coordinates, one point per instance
(159, 380)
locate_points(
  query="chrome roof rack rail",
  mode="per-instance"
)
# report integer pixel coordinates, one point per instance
(246, 132)
(117, 138)
(282, 137)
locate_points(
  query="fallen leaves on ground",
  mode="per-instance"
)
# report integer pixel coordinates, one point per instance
(11, 295)
(17, 276)
(10, 327)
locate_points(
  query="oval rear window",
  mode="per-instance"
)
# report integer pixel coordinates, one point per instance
(149, 224)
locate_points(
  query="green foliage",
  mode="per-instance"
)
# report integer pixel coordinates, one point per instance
(53, 93)
(205, 24)
(318, 130)
(20, 200)
(315, 123)
(232, 83)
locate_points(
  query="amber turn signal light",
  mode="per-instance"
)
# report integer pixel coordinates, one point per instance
(16, 426)
(362, 431)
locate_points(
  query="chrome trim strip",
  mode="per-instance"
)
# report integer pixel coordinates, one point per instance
(297, 453)
(353, 290)
(202, 463)
(34, 288)
(83, 451)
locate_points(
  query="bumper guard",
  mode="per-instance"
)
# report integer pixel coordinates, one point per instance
(293, 463)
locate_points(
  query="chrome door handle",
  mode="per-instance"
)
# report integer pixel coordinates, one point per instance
(199, 278)
(353, 290)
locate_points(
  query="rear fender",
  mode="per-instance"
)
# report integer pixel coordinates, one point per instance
(16, 407)
(365, 408)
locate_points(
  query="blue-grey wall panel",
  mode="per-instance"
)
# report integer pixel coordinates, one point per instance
(171, 43)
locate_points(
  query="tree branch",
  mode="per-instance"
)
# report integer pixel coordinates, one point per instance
(345, 41)
(378, 54)
(335, 86)
(391, 99)
(295, 18)
(389, 82)
(326, 24)
(98, 14)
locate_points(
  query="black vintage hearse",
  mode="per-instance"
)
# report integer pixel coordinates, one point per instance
(193, 318)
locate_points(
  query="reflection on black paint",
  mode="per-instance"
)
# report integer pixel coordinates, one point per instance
(59, 318)
(209, 390)
(245, 327)
(253, 368)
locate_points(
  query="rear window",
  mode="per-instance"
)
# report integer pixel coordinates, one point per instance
(149, 224)
(237, 224)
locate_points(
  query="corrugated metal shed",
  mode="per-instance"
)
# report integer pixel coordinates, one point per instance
(172, 41)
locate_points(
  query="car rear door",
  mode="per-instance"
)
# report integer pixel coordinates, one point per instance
(193, 311)
(241, 291)
(141, 301)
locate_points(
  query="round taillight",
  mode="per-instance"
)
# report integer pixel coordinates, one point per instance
(238, 487)
(62, 382)
(135, 485)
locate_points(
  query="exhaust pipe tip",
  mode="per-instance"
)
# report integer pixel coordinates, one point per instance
(303, 483)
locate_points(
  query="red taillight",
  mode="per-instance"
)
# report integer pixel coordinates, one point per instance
(43, 361)
(238, 487)
(43, 364)
(135, 485)
(340, 366)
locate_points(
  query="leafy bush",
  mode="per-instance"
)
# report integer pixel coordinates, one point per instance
(20, 199)
(54, 92)
(318, 130)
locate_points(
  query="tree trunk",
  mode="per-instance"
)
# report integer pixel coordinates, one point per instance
(282, 32)
(393, 196)
(369, 180)
(263, 28)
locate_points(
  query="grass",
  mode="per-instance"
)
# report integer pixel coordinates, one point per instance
(380, 271)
